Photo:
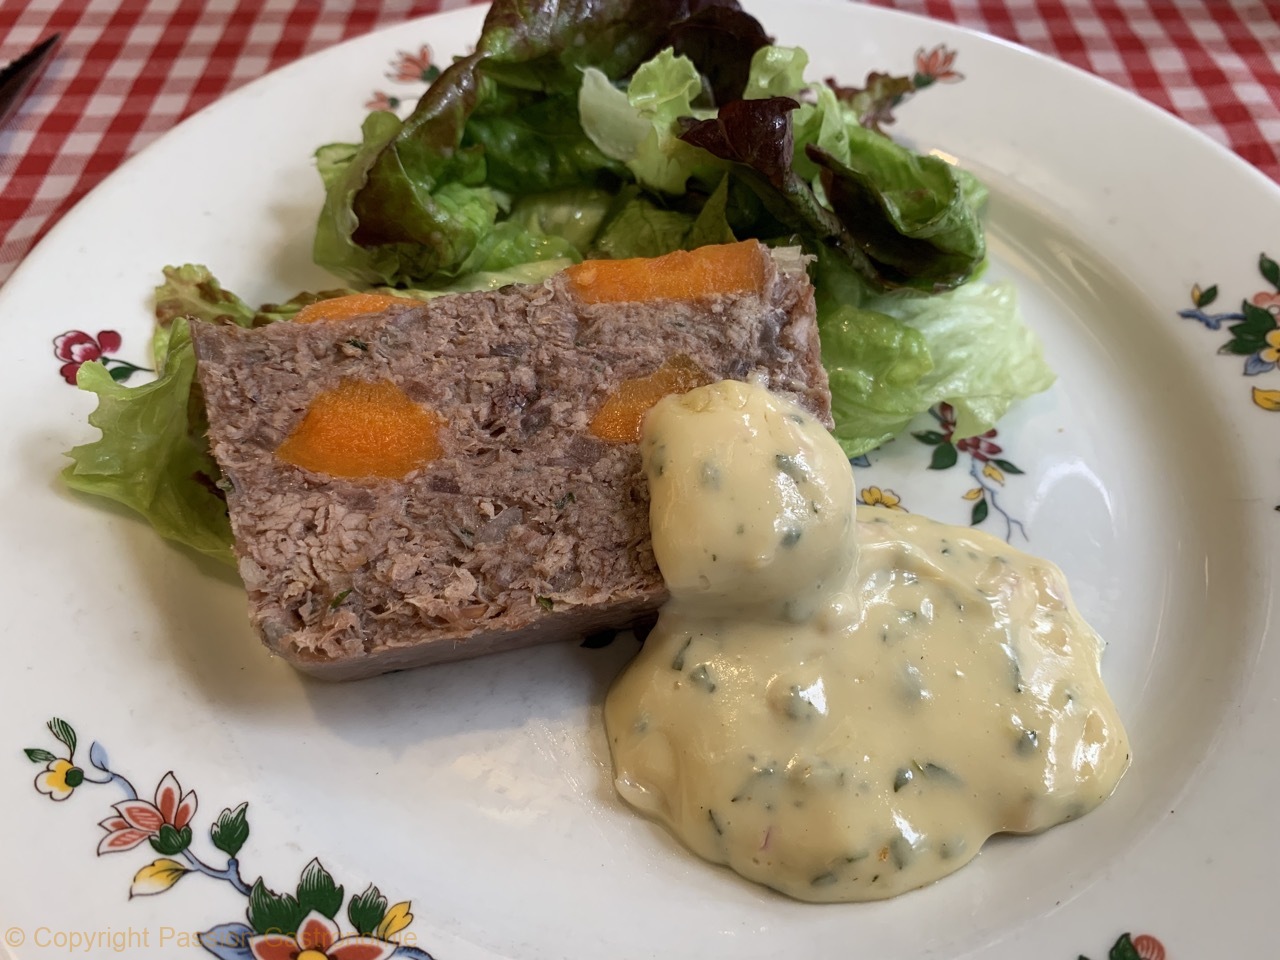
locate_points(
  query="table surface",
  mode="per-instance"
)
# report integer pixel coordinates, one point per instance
(128, 70)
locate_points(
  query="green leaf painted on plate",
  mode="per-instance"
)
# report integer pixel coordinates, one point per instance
(1243, 346)
(317, 891)
(1269, 269)
(980, 511)
(1124, 949)
(171, 840)
(37, 755)
(366, 910)
(931, 437)
(64, 732)
(1006, 466)
(1256, 319)
(1249, 335)
(271, 912)
(1207, 297)
(944, 457)
(231, 830)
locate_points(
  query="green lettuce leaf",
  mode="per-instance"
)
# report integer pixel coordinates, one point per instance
(720, 38)
(638, 126)
(410, 205)
(875, 365)
(544, 44)
(509, 245)
(984, 357)
(893, 356)
(574, 215)
(712, 223)
(152, 457)
(445, 205)
(191, 291)
(534, 272)
(776, 72)
(535, 144)
(824, 124)
(640, 228)
(909, 211)
(543, 233)
(757, 137)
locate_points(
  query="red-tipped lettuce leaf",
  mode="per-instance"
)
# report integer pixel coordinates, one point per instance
(874, 104)
(909, 212)
(720, 39)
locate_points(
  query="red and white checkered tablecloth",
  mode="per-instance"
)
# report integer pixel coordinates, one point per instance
(128, 70)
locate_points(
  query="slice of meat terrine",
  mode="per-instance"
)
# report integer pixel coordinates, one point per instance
(524, 517)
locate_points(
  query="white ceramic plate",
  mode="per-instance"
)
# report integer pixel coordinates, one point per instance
(479, 793)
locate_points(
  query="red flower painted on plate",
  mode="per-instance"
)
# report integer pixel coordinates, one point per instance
(138, 820)
(1148, 947)
(413, 67)
(382, 101)
(318, 939)
(77, 347)
(980, 448)
(935, 66)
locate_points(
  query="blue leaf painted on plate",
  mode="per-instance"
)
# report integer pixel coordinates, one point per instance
(412, 953)
(1255, 365)
(98, 755)
(861, 462)
(228, 941)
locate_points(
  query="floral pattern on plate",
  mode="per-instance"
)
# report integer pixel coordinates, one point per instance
(417, 67)
(1142, 947)
(988, 469)
(281, 926)
(1254, 328)
(76, 347)
(877, 497)
(987, 465)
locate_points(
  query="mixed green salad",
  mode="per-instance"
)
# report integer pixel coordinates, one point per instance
(618, 128)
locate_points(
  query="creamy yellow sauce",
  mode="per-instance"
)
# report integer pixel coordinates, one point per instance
(843, 703)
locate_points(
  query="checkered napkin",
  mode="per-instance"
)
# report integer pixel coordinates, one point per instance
(128, 70)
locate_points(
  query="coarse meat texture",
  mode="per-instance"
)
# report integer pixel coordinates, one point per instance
(527, 528)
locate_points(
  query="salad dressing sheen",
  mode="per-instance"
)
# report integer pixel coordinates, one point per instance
(843, 703)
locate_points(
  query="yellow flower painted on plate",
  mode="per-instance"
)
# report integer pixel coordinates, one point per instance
(1271, 352)
(875, 497)
(156, 877)
(1267, 399)
(973, 494)
(396, 919)
(992, 472)
(59, 778)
